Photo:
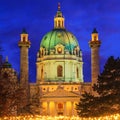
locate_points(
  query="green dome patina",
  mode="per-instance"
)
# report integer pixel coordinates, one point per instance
(59, 36)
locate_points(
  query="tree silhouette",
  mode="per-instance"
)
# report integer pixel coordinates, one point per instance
(108, 88)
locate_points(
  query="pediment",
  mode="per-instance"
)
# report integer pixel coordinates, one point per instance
(61, 93)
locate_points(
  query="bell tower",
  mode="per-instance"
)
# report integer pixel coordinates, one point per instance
(94, 43)
(24, 45)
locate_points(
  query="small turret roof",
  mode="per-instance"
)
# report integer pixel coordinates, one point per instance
(24, 31)
(6, 64)
(94, 30)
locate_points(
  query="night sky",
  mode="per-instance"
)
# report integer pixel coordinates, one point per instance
(81, 16)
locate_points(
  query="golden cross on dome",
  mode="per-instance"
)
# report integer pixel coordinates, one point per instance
(58, 6)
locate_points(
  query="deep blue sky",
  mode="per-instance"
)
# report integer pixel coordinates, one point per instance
(81, 16)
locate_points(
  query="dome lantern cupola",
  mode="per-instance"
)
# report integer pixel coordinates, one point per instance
(59, 19)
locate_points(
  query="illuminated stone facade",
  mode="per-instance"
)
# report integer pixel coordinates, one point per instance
(59, 58)
(59, 70)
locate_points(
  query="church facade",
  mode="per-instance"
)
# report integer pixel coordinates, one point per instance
(59, 68)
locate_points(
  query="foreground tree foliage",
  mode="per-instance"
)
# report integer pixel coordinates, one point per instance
(35, 101)
(108, 89)
(14, 97)
(10, 93)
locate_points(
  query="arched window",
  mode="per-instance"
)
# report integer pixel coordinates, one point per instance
(60, 106)
(24, 39)
(62, 24)
(42, 73)
(95, 38)
(59, 23)
(59, 71)
(55, 23)
(76, 51)
(42, 52)
(77, 71)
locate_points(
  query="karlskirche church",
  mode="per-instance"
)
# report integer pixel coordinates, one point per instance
(59, 68)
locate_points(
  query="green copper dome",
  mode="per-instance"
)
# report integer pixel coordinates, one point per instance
(59, 36)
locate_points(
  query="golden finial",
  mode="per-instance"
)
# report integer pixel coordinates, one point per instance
(58, 6)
